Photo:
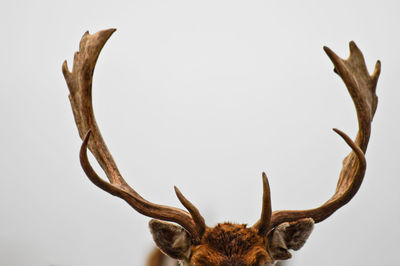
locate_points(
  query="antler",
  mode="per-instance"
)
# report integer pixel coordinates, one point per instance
(353, 72)
(361, 87)
(79, 82)
(266, 212)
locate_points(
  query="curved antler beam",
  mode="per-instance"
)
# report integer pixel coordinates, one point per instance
(79, 82)
(361, 86)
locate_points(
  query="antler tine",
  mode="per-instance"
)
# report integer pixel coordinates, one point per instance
(194, 212)
(79, 82)
(263, 224)
(344, 193)
(136, 201)
(361, 86)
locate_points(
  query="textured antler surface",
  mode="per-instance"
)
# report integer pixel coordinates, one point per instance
(361, 86)
(79, 82)
(263, 224)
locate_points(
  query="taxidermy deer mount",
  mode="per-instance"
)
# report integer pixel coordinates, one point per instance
(188, 238)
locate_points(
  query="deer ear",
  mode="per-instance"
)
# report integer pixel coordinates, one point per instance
(290, 235)
(171, 239)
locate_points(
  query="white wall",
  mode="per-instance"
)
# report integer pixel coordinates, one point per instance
(204, 95)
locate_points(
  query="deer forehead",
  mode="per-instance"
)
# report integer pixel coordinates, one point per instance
(227, 241)
(228, 238)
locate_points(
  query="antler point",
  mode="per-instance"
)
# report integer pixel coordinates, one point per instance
(354, 48)
(264, 174)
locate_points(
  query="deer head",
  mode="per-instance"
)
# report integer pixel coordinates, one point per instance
(188, 238)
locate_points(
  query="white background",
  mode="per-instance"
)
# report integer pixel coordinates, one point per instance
(204, 95)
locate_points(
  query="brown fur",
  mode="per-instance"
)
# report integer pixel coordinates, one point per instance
(155, 258)
(230, 244)
(230, 239)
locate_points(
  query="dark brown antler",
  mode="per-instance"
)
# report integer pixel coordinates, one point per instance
(79, 82)
(266, 212)
(361, 87)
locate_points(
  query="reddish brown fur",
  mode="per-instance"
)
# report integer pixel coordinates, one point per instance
(230, 244)
(155, 258)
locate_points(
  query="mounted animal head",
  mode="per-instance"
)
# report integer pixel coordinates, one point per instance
(188, 238)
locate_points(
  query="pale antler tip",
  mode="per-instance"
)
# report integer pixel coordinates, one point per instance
(377, 69)
(265, 182)
(346, 138)
(108, 31)
(65, 69)
(327, 49)
(264, 175)
(180, 196)
(266, 187)
(65, 64)
(332, 55)
(85, 34)
(354, 48)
